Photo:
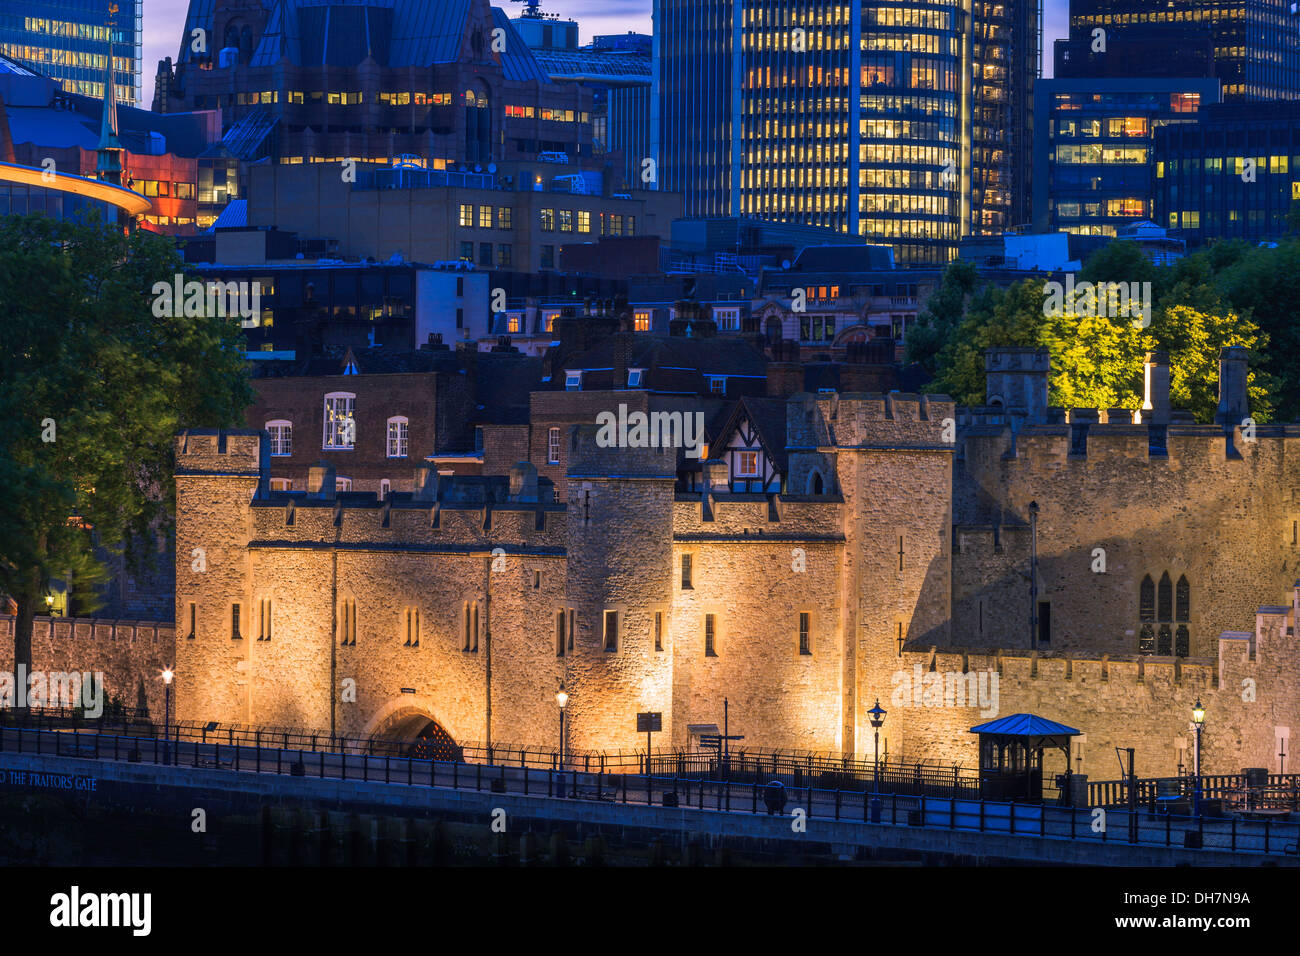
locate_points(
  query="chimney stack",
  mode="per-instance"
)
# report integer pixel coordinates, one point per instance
(320, 481)
(1155, 405)
(426, 484)
(1233, 403)
(523, 482)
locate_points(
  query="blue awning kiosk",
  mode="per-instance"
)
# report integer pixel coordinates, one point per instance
(1011, 755)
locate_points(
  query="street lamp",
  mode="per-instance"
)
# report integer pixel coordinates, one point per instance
(561, 698)
(877, 721)
(1198, 721)
(167, 676)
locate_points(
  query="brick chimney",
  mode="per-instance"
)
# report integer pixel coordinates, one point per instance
(784, 370)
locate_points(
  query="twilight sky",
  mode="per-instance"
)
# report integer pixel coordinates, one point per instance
(163, 20)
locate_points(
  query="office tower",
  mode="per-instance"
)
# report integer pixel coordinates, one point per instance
(907, 124)
(67, 40)
(1094, 166)
(1230, 175)
(1255, 43)
(300, 81)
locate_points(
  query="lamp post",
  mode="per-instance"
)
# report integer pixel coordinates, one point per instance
(1198, 721)
(561, 698)
(167, 676)
(877, 721)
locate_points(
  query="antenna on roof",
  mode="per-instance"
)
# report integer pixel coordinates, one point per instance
(532, 8)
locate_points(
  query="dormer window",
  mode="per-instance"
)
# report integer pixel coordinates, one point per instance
(351, 368)
(573, 381)
(634, 377)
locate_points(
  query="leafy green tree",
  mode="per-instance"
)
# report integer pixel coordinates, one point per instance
(935, 326)
(994, 317)
(95, 387)
(1096, 360)
(1193, 338)
(1259, 285)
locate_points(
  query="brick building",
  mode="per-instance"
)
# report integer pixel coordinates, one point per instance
(375, 414)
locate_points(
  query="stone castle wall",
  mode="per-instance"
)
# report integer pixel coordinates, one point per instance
(887, 562)
(130, 654)
(1225, 516)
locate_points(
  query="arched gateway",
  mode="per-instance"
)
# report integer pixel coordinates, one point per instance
(413, 732)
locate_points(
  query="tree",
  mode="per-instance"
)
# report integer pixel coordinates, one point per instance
(95, 387)
(1192, 338)
(1260, 286)
(994, 317)
(934, 327)
(1096, 360)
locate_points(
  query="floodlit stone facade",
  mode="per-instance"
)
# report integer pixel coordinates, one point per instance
(471, 600)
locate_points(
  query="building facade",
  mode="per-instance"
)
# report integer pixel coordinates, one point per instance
(1235, 174)
(67, 40)
(450, 83)
(1094, 162)
(1255, 43)
(889, 555)
(909, 124)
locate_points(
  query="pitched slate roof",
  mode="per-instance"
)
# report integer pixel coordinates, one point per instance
(673, 363)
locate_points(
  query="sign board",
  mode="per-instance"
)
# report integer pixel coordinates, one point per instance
(649, 722)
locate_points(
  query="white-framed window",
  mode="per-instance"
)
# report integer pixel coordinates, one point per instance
(747, 464)
(634, 377)
(385, 488)
(718, 384)
(340, 421)
(398, 427)
(548, 319)
(553, 446)
(342, 484)
(281, 438)
(727, 320)
(573, 381)
(282, 484)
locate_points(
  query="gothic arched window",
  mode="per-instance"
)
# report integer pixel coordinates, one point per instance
(1165, 599)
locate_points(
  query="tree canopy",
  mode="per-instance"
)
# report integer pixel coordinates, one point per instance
(95, 388)
(1227, 294)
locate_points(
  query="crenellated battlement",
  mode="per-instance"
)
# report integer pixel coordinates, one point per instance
(868, 420)
(234, 452)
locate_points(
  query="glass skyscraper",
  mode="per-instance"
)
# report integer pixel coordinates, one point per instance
(67, 40)
(902, 122)
(1256, 43)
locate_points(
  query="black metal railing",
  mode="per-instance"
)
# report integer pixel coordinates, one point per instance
(699, 793)
(1231, 792)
